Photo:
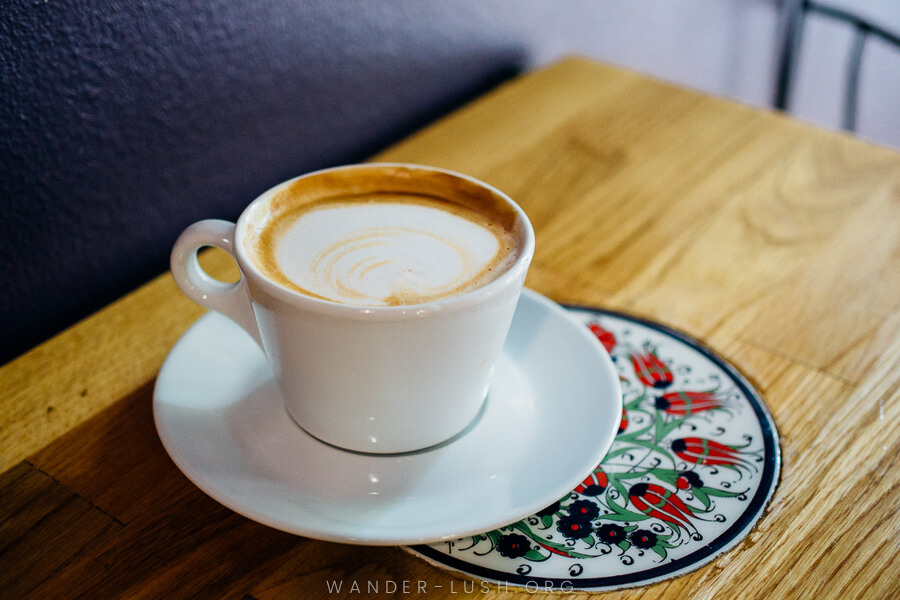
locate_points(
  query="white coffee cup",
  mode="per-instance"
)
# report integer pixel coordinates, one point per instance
(380, 379)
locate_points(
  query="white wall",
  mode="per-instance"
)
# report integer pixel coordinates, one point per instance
(724, 47)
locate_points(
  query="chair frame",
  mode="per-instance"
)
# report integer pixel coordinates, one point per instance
(792, 18)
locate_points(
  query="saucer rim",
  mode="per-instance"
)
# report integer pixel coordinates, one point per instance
(383, 537)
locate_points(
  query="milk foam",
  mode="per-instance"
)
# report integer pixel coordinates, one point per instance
(388, 252)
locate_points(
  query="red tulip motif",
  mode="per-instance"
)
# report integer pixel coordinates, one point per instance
(594, 484)
(651, 371)
(684, 404)
(660, 503)
(606, 337)
(702, 451)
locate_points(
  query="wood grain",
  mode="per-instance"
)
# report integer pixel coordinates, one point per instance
(63, 382)
(775, 243)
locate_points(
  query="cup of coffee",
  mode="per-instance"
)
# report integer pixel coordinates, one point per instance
(381, 295)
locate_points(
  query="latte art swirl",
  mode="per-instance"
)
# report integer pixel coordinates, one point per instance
(392, 265)
(389, 251)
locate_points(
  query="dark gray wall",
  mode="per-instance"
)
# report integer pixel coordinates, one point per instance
(123, 122)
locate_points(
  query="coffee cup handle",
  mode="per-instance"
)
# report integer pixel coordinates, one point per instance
(230, 299)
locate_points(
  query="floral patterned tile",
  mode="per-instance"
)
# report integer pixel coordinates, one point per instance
(694, 464)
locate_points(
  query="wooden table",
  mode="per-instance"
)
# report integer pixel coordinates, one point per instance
(775, 243)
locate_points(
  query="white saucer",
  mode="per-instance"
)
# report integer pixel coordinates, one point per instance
(551, 415)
